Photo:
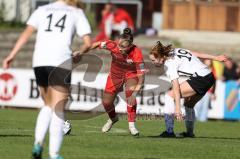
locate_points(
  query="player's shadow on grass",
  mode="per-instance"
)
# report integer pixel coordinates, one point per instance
(158, 137)
(197, 137)
(14, 135)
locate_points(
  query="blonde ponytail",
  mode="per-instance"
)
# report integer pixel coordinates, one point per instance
(74, 3)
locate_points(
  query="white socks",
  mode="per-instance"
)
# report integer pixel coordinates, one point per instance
(49, 119)
(56, 134)
(169, 105)
(42, 124)
(169, 110)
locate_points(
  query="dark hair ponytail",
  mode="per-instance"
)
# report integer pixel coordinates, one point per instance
(127, 31)
(127, 34)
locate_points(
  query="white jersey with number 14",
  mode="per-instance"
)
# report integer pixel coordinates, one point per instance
(56, 24)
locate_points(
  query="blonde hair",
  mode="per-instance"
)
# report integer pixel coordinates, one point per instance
(74, 3)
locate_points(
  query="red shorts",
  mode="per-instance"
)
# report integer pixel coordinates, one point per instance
(114, 84)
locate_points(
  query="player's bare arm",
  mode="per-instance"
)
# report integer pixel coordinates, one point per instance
(24, 37)
(95, 45)
(85, 47)
(136, 89)
(221, 58)
(177, 97)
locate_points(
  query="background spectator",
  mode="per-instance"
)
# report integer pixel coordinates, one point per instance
(231, 71)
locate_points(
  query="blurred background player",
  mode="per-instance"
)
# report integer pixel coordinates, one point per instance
(55, 24)
(114, 21)
(117, 21)
(127, 70)
(105, 13)
(183, 62)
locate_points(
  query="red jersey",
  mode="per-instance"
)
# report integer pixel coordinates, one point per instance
(102, 35)
(124, 65)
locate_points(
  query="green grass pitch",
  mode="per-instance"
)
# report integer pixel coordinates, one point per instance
(214, 139)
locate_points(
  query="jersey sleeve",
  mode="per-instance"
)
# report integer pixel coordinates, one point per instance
(172, 70)
(138, 61)
(34, 19)
(108, 45)
(82, 25)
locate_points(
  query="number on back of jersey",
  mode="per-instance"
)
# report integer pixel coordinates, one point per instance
(60, 23)
(181, 53)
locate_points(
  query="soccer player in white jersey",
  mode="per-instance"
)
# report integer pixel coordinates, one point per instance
(179, 62)
(56, 24)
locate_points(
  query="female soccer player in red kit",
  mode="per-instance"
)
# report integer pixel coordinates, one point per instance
(127, 69)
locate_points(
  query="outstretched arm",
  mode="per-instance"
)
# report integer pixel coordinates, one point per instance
(95, 45)
(221, 58)
(177, 97)
(85, 47)
(24, 37)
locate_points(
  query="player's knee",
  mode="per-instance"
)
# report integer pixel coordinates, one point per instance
(107, 105)
(189, 103)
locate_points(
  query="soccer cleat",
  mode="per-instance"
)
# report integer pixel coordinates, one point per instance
(58, 157)
(109, 124)
(133, 131)
(37, 151)
(185, 134)
(166, 134)
(67, 128)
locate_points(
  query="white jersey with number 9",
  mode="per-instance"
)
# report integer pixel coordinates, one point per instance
(56, 24)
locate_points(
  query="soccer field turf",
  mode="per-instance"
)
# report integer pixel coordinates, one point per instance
(214, 139)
